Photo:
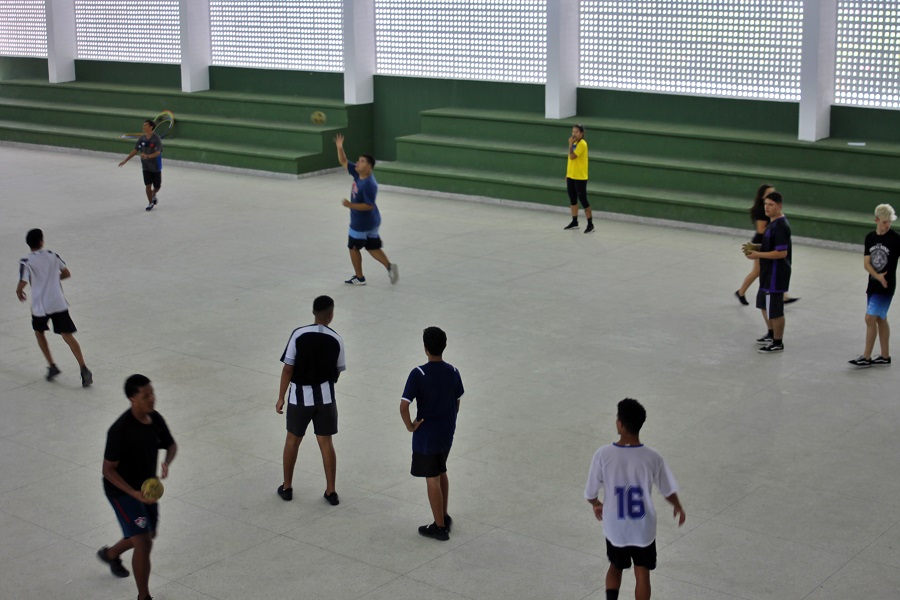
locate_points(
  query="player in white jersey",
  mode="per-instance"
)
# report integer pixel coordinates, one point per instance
(44, 269)
(626, 471)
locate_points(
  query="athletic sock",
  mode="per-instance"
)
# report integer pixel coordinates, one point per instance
(776, 342)
(612, 594)
(591, 221)
(771, 334)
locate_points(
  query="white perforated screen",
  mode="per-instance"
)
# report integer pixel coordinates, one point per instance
(735, 48)
(23, 28)
(495, 40)
(867, 71)
(146, 31)
(277, 34)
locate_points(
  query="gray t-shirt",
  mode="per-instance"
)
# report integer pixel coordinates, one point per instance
(150, 145)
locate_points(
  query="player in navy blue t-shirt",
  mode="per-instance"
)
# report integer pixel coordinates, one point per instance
(437, 387)
(364, 216)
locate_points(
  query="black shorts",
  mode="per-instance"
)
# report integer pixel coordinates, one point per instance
(370, 243)
(577, 189)
(323, 417)
(428, 465)
(62, 323)
(153, 178)
(621, 557)
(772, 303)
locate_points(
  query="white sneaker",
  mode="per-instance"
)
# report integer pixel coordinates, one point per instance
(393, 273)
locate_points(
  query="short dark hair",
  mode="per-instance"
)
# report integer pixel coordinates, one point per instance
(435, 340)
(579, 127)
(775, 197)
(34, 238)
(151, 123)
(322, 305)
(369, 159)
(134, 384)
(632, 415)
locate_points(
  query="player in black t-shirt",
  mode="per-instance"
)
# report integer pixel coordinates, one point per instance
(882, 250)
(313, 359)
(132, 446)
(149, 146)
(774, 273)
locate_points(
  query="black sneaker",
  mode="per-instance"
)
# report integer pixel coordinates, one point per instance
(572, 225)
(286, 495)
(448, 523)
(880, 361)
(87, 378)
(741, 299)
(434, 532)
(356, 280)
(791, 300)
(332, 498)
(771, 348)
(589, 228)
(150, 206)
(765, 340)
(115, 564)
(52, 372)
(861, 361)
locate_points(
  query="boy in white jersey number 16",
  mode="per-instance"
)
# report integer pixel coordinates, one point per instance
(626, 471)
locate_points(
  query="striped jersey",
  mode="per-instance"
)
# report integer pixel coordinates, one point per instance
(317, 354)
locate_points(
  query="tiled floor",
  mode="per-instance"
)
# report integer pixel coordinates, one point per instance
(788, 464)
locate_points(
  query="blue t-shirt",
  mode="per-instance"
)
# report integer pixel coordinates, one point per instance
(437, 387)
(364, 192)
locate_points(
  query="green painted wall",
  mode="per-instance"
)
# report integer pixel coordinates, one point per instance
(865, 124)
(23, 68)
(283, 83)
(143, 74)
(755, 115)
(398, 101)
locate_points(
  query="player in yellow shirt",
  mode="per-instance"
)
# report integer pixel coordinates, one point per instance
(577, 178)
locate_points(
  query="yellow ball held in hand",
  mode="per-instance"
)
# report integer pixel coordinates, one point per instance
(152, 489)
(318, 118)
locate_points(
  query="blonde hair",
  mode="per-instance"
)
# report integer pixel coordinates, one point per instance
(885, 212)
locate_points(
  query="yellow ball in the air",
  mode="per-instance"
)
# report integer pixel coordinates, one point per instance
(318, 118)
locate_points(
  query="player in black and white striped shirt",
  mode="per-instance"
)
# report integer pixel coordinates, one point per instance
(313, 359)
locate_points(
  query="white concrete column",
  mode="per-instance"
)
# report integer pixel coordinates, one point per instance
(62, 46)
(817, 69)
(359, 51)
(563, 58)
(196, 51)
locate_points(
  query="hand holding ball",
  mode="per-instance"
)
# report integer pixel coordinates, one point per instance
(152, 489)
(748, 248)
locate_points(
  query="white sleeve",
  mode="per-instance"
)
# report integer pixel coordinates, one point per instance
(595, 478)
(290, 352)
(341, 362)
(667, 483)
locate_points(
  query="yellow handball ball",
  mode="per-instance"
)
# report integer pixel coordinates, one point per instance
(152, 489)
(318, 118)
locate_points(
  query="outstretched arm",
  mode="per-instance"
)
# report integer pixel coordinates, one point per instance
(342, 156)
(129, 157)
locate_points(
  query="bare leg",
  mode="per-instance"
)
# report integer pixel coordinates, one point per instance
(445, 491)
(642, 583)
(380, 256)
(884, 336)
(436, 499)
(574, 208)
(871, 334)
(329, 461)
(74, 347)
(289, 458)
(123, 545)
(778, 328)
(44, 346)
(588, 214)
(149, 190)
(752, 276)
(766, 319)
(356, 260)
(140, 563)
(613, 578)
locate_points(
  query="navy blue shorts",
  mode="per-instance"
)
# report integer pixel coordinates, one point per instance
(135, 517)
(428, 465)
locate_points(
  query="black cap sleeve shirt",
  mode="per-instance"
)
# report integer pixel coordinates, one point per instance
(135, 446)
(883, 252)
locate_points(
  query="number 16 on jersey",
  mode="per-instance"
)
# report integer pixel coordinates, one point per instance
(630, 502)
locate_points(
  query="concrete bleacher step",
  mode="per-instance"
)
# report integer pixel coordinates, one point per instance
(232, 155)
(826, 189)
(697, 207)
(673, 140)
